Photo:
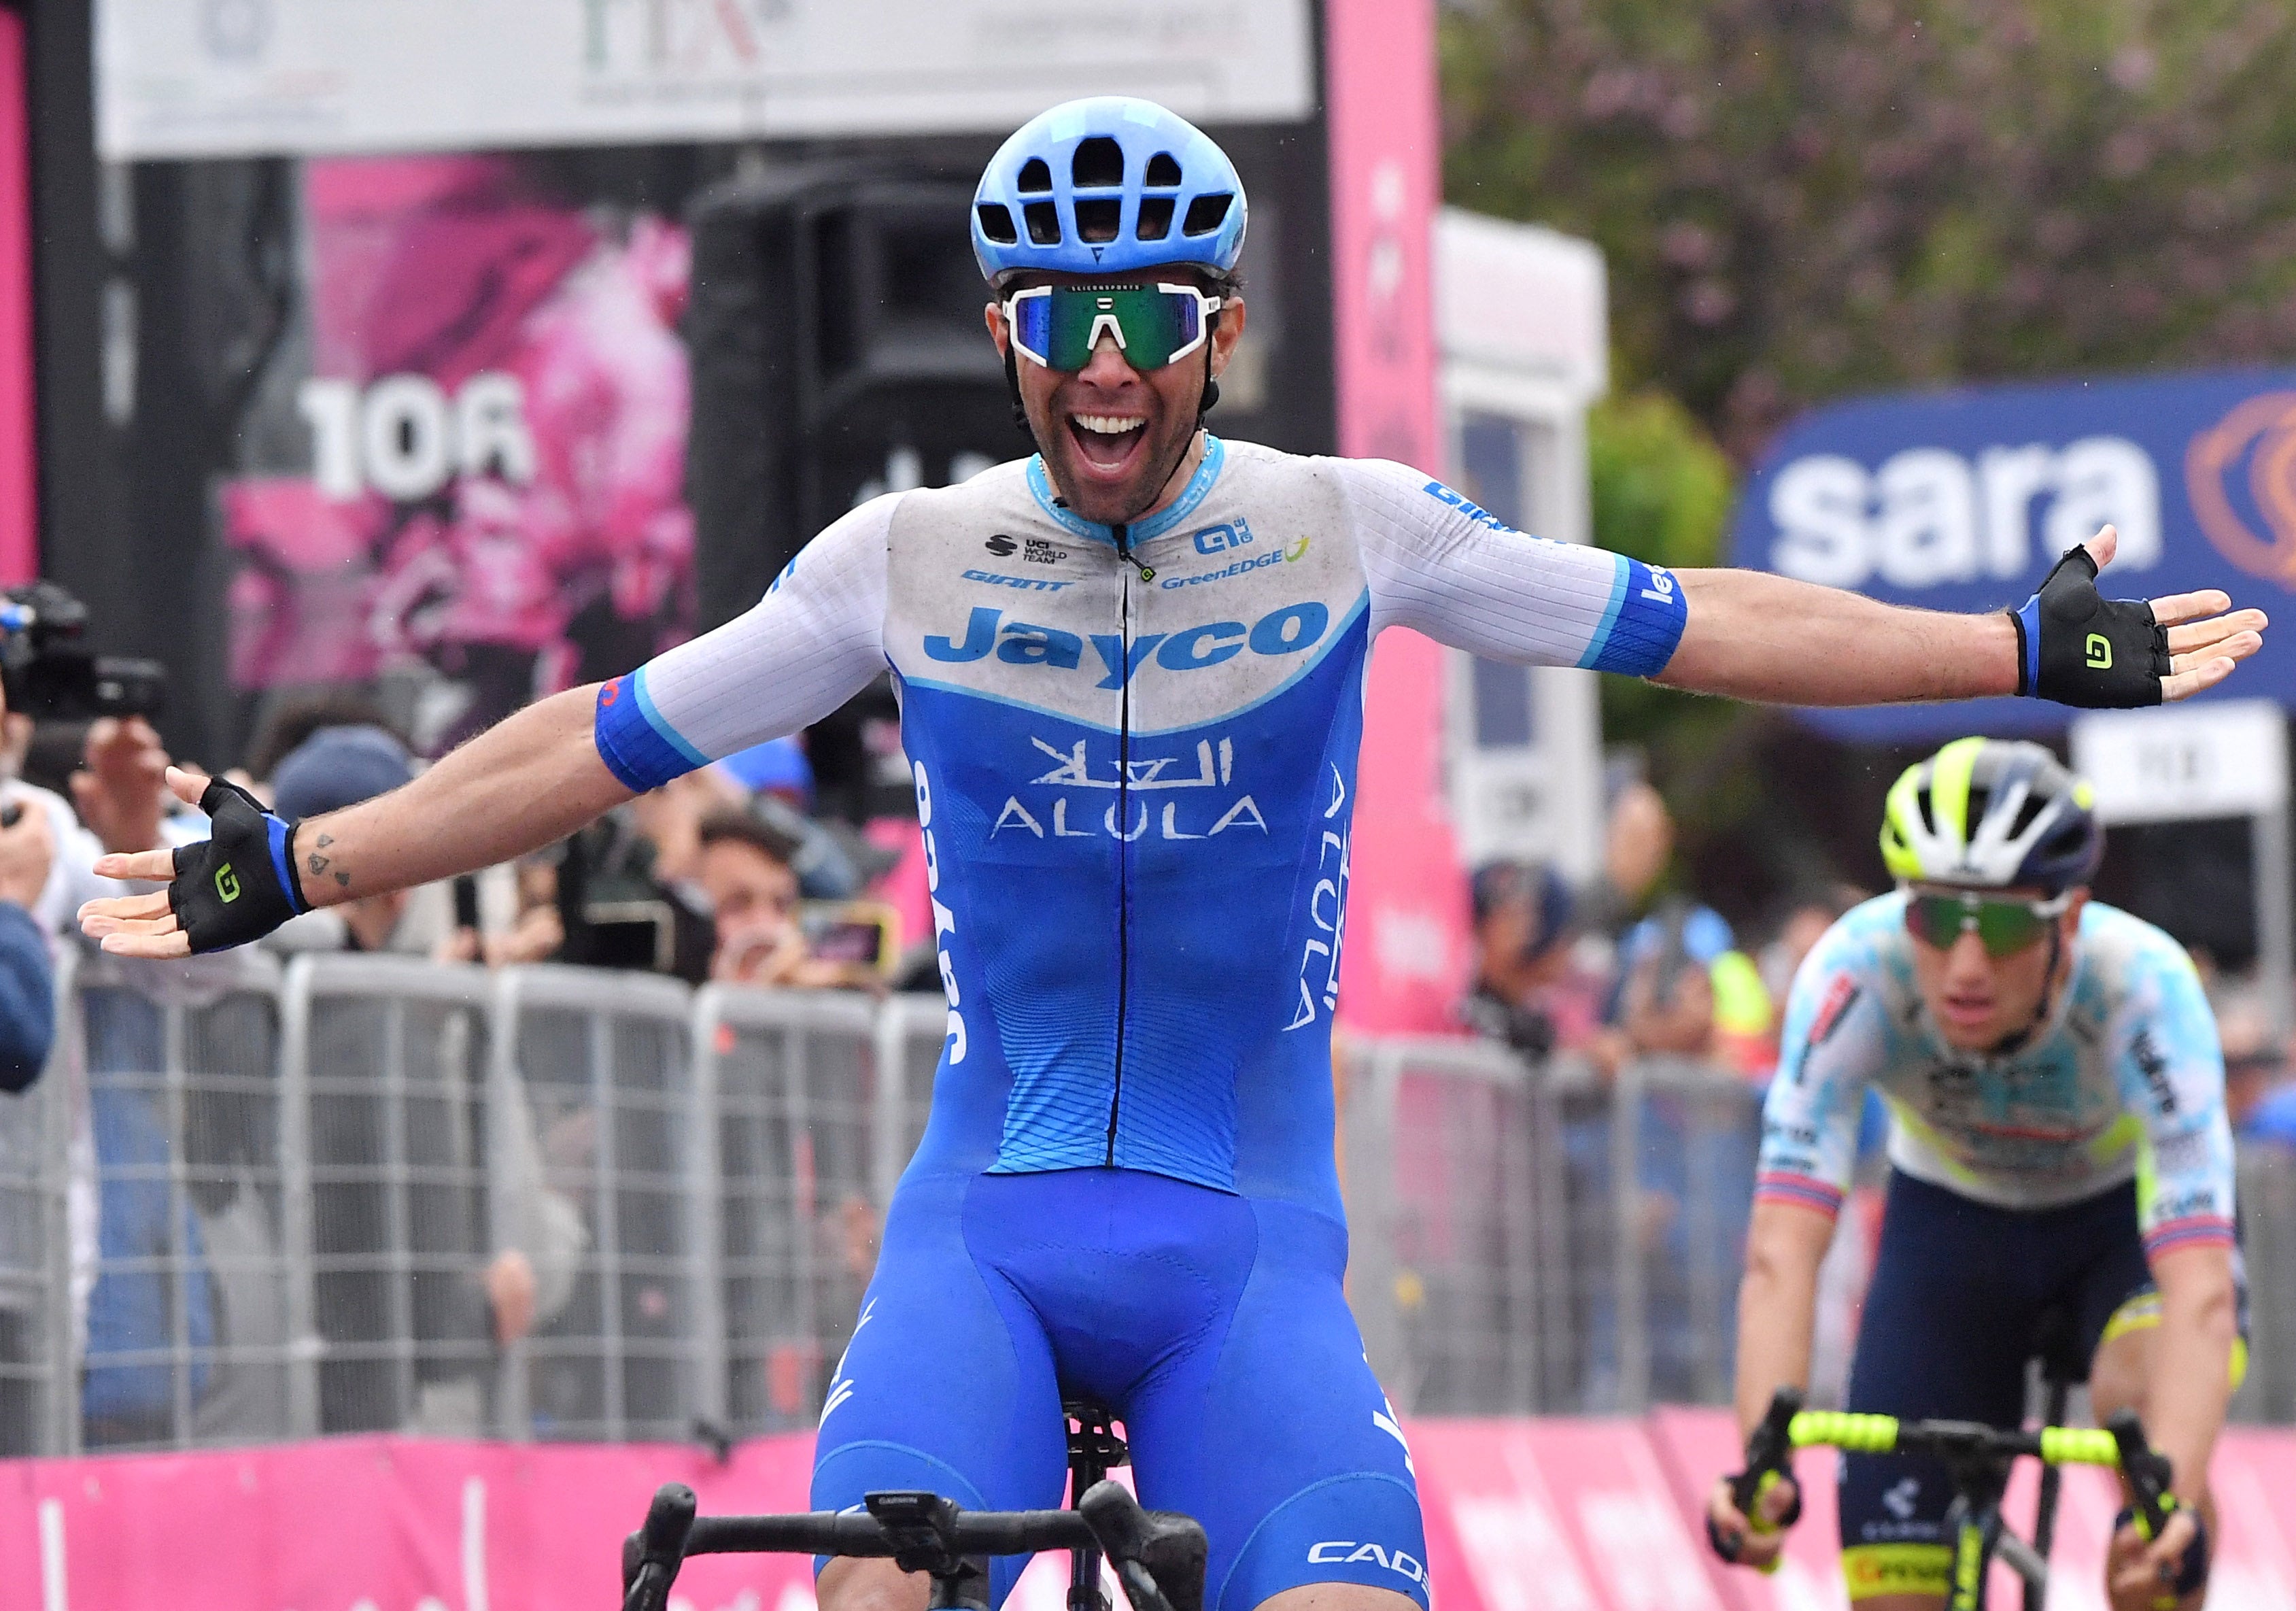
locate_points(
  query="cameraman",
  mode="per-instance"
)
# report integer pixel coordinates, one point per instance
(47, 866)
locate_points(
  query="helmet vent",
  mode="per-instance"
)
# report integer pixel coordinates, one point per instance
(1162, 170)
(2027, 813)
(1923, 798)
(996, 224)
(1205, 214)
(1098, 219)
(1098, 165)
(1044, 223)
(1036, 179)
(1155, 217)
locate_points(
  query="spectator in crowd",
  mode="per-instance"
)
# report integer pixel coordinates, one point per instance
(1799, 931)
(1638, 844)
(831, 861)
(753, 892)
(1686, 991)
(628, 886)
(537, 930)
(1528, 990)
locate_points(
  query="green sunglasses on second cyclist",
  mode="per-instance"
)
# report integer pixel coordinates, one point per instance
(2003, 926)
(1059, 325)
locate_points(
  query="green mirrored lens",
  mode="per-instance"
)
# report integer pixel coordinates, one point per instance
(2003, 927)
(2007, 926)
(1150, 326)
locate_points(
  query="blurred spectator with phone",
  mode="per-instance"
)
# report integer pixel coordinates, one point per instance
(754, 895)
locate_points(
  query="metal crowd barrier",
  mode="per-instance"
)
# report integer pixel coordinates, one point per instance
(1528, 1240)
(305, 1183)
(2267, 1192)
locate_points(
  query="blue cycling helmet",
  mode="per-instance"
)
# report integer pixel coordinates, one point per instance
(1107, 185)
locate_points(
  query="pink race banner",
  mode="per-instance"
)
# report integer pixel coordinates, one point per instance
(19, 502)
(1522, 1516)
(1406, 959)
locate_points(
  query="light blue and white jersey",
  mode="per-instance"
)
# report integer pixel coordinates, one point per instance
(1137, 775)
(2125, 1079)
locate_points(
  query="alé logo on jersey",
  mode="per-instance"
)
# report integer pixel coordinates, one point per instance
(1281, 631)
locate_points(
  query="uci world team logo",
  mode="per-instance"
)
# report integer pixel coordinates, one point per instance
(2240, 475)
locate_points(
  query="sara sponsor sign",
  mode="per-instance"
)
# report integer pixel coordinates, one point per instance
(253, 77)
(1963, 501)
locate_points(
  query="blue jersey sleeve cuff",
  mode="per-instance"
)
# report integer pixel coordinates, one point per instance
(1642, 624)
(639, 748)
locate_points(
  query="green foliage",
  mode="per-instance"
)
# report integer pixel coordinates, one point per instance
(1660, 487)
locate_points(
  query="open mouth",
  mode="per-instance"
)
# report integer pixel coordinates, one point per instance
(1108, 443)
(1967, 1012)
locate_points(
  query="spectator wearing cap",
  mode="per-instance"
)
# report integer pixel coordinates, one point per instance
(1527, 991)
(333, 769)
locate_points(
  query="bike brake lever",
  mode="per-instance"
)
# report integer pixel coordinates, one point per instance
(1159, 1556)
(651, 1556)
(2148, 1471)
(1769, 1449)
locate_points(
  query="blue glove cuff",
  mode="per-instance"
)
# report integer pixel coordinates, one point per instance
(283, 861)
(2029, 647)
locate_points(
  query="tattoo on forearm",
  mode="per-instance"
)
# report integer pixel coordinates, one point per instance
(319, 864)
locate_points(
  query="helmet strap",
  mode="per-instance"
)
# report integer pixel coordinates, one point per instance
(1210, 399)
(2041, 1008)
(1013, 382)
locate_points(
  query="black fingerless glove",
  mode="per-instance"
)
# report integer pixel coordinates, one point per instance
(2079, 648)
(239, 883)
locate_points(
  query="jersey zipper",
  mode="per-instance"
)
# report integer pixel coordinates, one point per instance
(1123, 819)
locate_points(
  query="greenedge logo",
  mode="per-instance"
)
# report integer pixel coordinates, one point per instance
(1272, 556)
(227, 882)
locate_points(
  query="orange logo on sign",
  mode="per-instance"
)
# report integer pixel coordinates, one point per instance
(2256, 445)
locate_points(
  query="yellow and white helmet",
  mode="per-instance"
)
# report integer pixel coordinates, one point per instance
(1988, 813)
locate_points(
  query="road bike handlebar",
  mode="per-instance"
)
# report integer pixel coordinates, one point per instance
(1158, 1557)
(2119, 1444)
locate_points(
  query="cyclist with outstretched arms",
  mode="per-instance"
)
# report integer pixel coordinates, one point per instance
(2060, 1158)
(1131, 670)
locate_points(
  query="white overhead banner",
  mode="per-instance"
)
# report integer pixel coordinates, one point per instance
(2220, 758)
(262, 77)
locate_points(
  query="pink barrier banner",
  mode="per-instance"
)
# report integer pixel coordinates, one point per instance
(1522, 1516)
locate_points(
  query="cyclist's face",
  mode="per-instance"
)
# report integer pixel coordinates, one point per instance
(1978, 1000)
(1126, 461)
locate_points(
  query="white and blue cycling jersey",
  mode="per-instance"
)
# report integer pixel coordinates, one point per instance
(1137, 776)
(1135, 756)
(2125, 1081)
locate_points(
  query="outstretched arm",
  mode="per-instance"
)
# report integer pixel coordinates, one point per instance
(525, 784)
(1754, 636)
(809, 645)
